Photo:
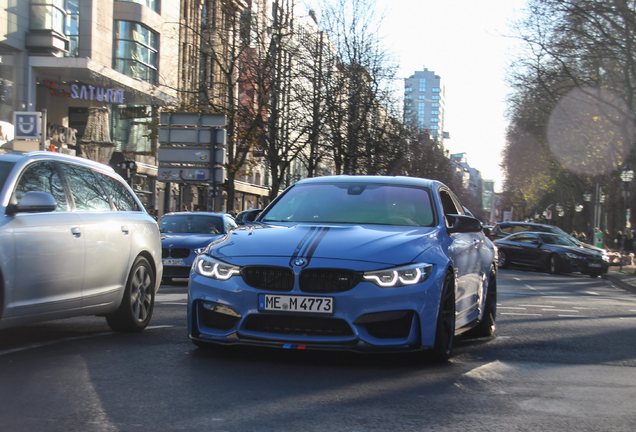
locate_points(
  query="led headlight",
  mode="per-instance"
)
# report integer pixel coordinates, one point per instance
(215, 269)
(399, 276)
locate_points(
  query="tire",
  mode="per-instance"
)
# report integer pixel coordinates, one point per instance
(554, 264)
(445, 328)
(502, 259)
(486, 326)
(202, 345)
(138, 302)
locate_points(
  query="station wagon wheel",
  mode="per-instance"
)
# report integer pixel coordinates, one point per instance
(138, 302)
(554, 264)
(502, 259)
(445, 329)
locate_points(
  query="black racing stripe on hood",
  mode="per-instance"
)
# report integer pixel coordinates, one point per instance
(314, 245)
(302, 243)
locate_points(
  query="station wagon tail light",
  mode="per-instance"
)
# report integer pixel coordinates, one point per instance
(399, 276)
(209, 267)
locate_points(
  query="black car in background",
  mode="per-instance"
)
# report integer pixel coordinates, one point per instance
(549, 252)
(504, 229)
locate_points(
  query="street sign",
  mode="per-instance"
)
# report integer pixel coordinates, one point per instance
(189, 154)
(192, 119)
(27, 125)
(183, 175)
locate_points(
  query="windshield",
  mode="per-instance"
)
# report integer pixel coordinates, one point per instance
(354, 203)
(191, 224)
(5, 169)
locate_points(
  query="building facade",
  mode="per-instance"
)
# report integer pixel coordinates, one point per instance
(424, 103)
(100, 70)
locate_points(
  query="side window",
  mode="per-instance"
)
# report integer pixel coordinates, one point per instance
(448, 205)
(86, 189)
(42, 177)
(122, 198)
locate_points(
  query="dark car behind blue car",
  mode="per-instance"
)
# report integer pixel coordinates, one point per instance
(359, 263)
(185, 235)
(550, 252)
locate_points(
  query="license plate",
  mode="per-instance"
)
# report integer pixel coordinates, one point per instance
(595, 265)
(172, 262)
(303, 304)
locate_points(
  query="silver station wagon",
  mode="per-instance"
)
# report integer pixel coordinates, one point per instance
(74, 240)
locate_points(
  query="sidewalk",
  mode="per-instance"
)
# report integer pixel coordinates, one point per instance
(625, 279)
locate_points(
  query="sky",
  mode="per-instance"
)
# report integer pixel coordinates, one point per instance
(466, 43)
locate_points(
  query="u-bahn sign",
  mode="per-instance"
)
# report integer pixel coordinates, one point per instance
(27, 125)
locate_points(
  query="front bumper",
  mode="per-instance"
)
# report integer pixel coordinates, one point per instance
(366, 318)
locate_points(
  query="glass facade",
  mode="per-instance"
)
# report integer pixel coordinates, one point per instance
(7, 80)
(136, 51)
(48, 15)
(71, 29)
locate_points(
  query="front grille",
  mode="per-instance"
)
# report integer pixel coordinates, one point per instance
(391, 329)
(180, 253)
(269, 278)
(298, 325)
(216, 320)
(175, 253)
(327, 280)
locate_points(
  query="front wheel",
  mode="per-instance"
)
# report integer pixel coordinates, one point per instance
(445, 329)
(554, 264)
(502, 259)
(138, 302)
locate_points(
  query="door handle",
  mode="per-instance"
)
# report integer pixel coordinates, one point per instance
(124, 229)
(77, 232)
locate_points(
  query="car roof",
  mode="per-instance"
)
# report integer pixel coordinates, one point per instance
(48, 155)
(393, 180)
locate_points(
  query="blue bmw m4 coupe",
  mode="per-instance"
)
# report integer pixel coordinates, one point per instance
(357, 263)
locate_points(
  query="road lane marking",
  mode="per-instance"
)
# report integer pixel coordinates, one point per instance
(591, 293)
(528, 286)
(561, 310)
(518, 313)
(171, 297)
(541, 306)
(510, 307)
(577, 316)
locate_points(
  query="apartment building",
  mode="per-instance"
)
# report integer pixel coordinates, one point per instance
(424, 103)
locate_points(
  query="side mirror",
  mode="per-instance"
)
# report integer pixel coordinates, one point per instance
(33, 202)
(486, 231)
(463, 224)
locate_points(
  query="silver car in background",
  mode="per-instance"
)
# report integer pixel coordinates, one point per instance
(74, 240)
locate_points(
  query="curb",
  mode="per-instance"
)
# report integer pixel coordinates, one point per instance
(620, 282)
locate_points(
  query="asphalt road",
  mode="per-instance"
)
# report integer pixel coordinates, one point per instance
(564, 358)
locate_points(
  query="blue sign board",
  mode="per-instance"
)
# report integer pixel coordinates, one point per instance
(26, 125)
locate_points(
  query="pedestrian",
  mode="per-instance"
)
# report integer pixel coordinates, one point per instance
(619, 241)
(628, 241)
(606, 239)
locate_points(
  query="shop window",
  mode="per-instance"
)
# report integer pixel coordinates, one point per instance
(136, 51)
